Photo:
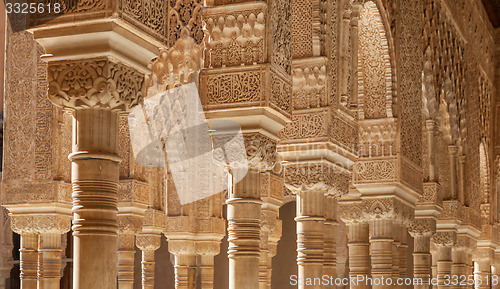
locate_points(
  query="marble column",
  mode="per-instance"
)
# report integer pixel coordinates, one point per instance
(495, 278)
(272, 190)
(207, 250)
(421, 230)
(330, 252)
(94, 159)
(28, 260)
(310, 237)
(126, 253)
(396, 228)
(95, 184)
(207, 271)
(403, 249)
(460, 258)
(381, 239)
(482, 273)
(444, 241)
(49, 270)
(244, 217)
(359, 252)
(452, 150)
(148, 244)
(185, 263)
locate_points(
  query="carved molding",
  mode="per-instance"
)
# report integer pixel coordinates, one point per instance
(23, 224)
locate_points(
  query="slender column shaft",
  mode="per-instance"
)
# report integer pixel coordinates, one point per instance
(354, 56)
(264, 259)
(444, 263)
(207, 271)
(330, 252)
(461, 185)
(381, 251)
(95, 183)
(244, 214)
(395, 252)
(459, 267)
(453, 171)
(359, 252)
(3, 283)
(495, 279)
(148, 269)
(310, 236)
(422, 260)
(49, 270)
(126, 252)
(483, 274)
(430, 124)
(403, 248)
(185, 272)
(28, 260)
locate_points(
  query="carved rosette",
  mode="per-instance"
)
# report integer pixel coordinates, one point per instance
(314, 176)
(94, 83)
(25, 224)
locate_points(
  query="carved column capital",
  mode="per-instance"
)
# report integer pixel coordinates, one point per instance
(316, 176)
(25, 224)
(388, 208)
(148, 242)
(261, 152)
(352, 213)
(207, 248)
(445, 238)
(181, 247)
(422, 227)
(94, 83)
(483, 254)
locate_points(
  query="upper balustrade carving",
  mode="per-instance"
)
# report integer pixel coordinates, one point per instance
(236, 38)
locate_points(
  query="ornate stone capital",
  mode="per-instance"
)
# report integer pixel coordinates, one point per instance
(261, 152)
(148, 242)
(352, 212)
(24, 224)
(208, 248)
(94, 83)
(483, 254)
(422, 227)
(445, 238)
(388, 208)
(321, 175)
